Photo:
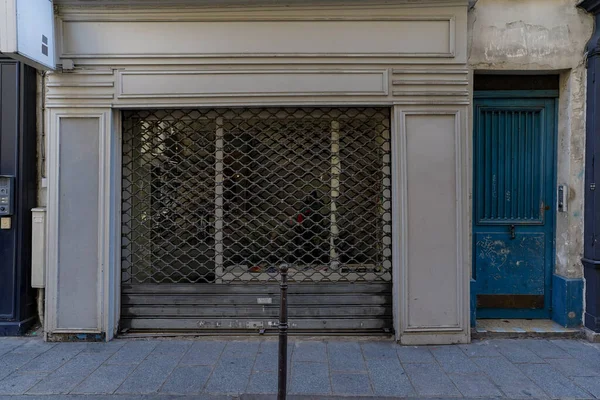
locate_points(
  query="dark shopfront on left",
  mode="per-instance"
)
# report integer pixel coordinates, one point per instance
(18, 191)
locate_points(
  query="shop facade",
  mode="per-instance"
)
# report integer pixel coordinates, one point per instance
(193, 149)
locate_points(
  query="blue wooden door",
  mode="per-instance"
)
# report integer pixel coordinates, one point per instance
(514, 205)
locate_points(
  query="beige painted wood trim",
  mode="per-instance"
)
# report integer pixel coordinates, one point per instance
(431, 332)
(234, 83)
(53, 285)
(181, 86)
(135, 5)
(249, 37)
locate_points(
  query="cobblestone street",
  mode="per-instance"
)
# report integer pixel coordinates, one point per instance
(213, 369)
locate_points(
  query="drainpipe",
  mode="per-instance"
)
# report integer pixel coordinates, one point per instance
(591, 252)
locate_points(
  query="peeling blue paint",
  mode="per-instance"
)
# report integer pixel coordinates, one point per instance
(76, 337)
(510, 266)
(513, 181)
(567, 301)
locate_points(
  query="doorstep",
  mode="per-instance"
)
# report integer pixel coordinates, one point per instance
(522, 328)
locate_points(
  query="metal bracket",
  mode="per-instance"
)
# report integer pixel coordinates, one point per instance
(7, 195)
(562, 204)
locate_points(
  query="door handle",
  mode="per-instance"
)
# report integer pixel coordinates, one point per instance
(512, 232)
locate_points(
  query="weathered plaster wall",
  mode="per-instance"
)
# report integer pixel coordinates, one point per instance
(571, 151)
(544, 35)
(530, 34)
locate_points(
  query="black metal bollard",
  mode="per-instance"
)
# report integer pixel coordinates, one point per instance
(283, 328)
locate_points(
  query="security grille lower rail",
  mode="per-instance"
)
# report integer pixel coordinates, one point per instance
(225, 196)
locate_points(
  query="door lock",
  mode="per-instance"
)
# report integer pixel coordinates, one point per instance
(512, 232)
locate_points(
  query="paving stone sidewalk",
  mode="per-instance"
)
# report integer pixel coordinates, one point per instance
(247, 369)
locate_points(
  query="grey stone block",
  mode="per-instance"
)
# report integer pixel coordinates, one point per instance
(544, 348)
(104, 380)
(126, 397)
(587, 353)
(267, 357)
(241, 349)
(388, 377)
(133, 352)
(346, 356)
(573, 367)
(498, 368)
(151, 373)
(11, 362)
(310, 351)
(453, 360)
(430, 380)
(34, 346)
(522, 390)
(231, 375)
(21, 355)
(203, 353)
(263, 382)
(412, 354)
(5, 348)
(171, 348)
(201, 396)
(109, 348)
(480, 349)
(9, 344)
(554, 383)
(53, 358)
(67, 377)
(572, 345)
(351, 384)
(16, 384)
(509, 378)
(187, 379)
(310, 378)
(475, 385)
(591, 384)
(374, 350)
(14, 341)
(516, 352)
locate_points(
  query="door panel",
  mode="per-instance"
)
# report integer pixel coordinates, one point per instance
(513, 227)
(501, 262)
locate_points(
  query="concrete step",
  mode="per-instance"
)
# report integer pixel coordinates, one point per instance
(522, 328)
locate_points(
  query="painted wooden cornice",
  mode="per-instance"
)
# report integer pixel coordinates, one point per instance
(253, 3)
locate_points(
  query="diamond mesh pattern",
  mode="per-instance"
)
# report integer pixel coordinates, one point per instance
(227, 195)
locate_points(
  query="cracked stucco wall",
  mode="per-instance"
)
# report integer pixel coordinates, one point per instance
(544, 36)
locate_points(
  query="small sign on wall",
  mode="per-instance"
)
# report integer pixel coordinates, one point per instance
(27, 31)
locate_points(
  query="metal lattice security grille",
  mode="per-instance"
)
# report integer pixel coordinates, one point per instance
(227, 195)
